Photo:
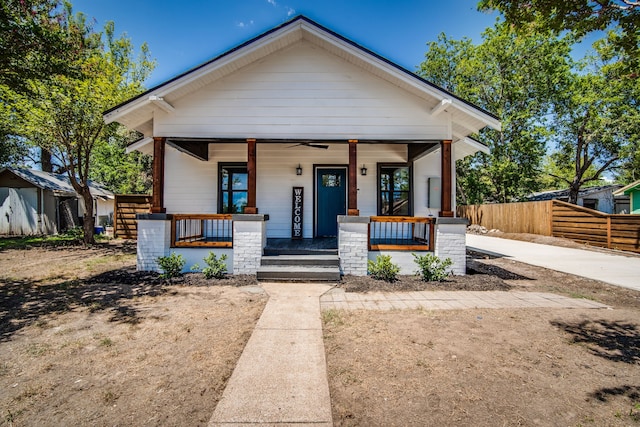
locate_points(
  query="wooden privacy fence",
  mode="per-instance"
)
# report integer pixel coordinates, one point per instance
(127, 206)
(525, 217)
(559, 219)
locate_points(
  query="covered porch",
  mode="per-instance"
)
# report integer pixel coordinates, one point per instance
(301, 133)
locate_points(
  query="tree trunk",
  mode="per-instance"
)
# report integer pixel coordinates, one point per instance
(574, 189)
(89, 219)
(45, 160)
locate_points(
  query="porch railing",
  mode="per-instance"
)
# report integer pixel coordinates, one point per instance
(401, 233)
(198, 230)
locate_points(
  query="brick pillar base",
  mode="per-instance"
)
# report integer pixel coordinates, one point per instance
(249, 239)
(353, 241)
(154, 240)
(451, 242)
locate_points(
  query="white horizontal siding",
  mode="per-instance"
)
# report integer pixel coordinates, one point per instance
(191, 185)
(302, 92)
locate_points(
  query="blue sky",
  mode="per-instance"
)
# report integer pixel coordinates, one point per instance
(184, 33)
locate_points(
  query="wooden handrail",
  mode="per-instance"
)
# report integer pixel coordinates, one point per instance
(202, 216)
(197, 236)
(413, 219)
(399, 237)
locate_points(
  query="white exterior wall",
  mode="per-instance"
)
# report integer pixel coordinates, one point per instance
(194, 256)
(248, 242)
(154, 240)
(302, 92)
(451, 241)
(404, 260)
(605, 199)
(353, 245)
(191, 185)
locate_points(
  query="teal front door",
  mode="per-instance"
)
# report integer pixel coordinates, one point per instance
(331, 200)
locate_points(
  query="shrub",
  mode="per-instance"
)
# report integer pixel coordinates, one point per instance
(432, 268)
(171, 265)
(216, 268)
(383, 268)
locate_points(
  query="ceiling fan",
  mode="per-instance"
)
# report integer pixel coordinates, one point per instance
(310, 144)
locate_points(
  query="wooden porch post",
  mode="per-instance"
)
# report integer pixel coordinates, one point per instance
(445, 170)
(157, 198)
(352, 208)
(251, 207)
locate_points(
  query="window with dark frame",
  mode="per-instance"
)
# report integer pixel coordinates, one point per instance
(233, 187)
(395, 190)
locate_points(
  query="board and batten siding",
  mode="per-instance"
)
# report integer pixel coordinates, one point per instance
(191, 185)
(302, 92)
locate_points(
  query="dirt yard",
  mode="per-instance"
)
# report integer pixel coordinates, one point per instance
(525, 367)
(86, 340)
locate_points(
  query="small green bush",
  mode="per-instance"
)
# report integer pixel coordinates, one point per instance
(171, 265)
(432, 268)
(383, 269)
(216, 268)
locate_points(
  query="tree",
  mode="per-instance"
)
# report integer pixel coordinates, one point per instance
(65, 115)
(36, 42)
(578, 16)
(516, 77)
(120, 172)
(596, 121)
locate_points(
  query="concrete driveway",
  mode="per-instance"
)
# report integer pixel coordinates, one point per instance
(611, 268)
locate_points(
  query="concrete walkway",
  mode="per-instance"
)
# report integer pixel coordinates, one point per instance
(281, 376)
(449, 300)
(614, 269)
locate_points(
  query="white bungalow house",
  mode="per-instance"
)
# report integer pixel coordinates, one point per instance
(301, 133)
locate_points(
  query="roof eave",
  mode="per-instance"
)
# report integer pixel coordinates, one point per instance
(295, 24)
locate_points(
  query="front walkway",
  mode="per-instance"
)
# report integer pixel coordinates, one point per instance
(619, 270)
(449, 300)
(281, 377)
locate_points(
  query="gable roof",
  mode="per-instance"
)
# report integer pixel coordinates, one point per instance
(137, 112)
(58, 183)
(627, 189)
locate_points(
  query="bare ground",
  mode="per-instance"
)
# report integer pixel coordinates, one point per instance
(86, 340)
(524, 367)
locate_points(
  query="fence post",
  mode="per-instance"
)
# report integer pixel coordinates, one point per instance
(608, 232)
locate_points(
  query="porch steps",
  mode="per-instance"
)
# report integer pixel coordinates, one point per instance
(300, 268)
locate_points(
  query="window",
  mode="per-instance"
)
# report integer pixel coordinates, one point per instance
(233, 187)
(394, 190)
(590, 203)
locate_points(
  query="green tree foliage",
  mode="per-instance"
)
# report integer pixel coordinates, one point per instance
(36, 42)
(515, 76)
(65, 115)
(557, 173)
(119, 171)
(597, 120)
(580, 17)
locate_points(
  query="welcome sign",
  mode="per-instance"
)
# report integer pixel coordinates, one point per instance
(296, 217)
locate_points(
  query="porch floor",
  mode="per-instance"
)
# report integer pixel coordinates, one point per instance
(315, 246)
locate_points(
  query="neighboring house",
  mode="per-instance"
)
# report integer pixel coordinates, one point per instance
(36, 202)
(301, 133)
(633, 192)
(599, 198)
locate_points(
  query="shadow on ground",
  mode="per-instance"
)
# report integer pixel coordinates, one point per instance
(615, 341)
(23, 302)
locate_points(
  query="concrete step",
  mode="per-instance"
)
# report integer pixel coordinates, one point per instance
(298, 273)
(308, 260)
(269, 251)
